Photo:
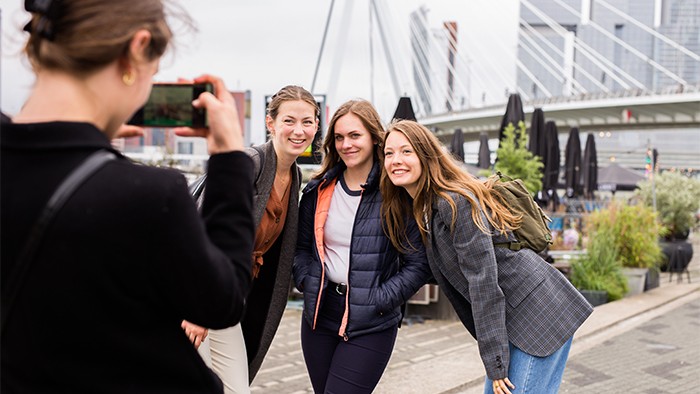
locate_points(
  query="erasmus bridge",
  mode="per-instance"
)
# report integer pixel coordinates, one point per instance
(627, 71)
(604, 66)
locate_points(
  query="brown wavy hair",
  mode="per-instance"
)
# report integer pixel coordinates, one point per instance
(369, 117)
(90, 34)
(440, 176)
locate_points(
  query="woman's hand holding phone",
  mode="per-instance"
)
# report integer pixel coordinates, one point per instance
(224, 133)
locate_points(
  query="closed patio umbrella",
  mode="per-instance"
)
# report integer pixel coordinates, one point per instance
(590, 167)
(552, 157)
(572, 166)
(537, 143)
(457, 145)
(484, 152)
(404, 110)
(551, 160)
(514, 114)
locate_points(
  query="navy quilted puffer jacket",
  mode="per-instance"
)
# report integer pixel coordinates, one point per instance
(379, 282)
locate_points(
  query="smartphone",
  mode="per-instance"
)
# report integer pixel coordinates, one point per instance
(170, 105)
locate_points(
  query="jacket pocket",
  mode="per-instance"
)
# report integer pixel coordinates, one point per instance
(527, 285)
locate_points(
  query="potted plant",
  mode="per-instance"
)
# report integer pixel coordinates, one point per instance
(635, 232)
(516, 161)
(677, 201)
(598, 273)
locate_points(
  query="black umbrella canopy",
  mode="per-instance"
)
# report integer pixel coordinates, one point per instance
(552, 158)
(615, 177)
(514, 114)
(590, 167)
(537, 144)
(484, 152)
(572, 166)
(404, 110)
(457, 145)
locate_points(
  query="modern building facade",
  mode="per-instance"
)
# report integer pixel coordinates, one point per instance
(569, 47)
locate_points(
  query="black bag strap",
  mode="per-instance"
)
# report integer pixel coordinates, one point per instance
(64, 191)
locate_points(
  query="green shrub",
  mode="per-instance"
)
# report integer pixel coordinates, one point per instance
(677, 201)
(599, 268)
(634, 230)
(516, 161)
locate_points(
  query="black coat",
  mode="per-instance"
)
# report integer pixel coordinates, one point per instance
(378, 285)
(125, 260)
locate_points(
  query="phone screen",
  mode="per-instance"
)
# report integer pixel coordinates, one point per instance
(170, 105)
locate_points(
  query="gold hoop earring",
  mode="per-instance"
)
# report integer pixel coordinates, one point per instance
(129, 77)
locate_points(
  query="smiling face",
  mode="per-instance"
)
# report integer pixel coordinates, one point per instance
(293, 129)
(353, 142)
(402, 165)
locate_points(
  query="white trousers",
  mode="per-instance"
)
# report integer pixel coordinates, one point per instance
(224, 352)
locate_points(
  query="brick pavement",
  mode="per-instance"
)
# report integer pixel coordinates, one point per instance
(659, 356)
(417, 346)
(649, 343)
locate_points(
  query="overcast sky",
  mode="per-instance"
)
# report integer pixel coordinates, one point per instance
(263, 45)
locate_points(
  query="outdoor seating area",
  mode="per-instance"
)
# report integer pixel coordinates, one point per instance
(612, 226)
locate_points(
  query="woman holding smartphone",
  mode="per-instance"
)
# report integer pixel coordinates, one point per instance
(354, 281)
(127, 256)
(292, 121)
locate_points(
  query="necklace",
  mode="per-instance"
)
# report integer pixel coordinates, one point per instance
(282, 184)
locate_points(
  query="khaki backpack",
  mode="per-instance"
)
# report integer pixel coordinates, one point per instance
(534, 232)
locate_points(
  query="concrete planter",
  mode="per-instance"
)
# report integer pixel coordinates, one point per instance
(636, 278)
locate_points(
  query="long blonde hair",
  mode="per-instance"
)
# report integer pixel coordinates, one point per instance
(440, 176)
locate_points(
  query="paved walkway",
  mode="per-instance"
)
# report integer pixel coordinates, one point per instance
(659, 356)
(648, 343)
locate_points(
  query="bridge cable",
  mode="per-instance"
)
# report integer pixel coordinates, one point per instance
(461, 56)
(323, 43)
(625, 45)
(532, 77)
(559, 74)
(596, 58)
(649, 30)
(444, 58)
(556, 50)
(424, 47)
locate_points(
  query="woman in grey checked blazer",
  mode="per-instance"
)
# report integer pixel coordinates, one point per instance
(521, 310)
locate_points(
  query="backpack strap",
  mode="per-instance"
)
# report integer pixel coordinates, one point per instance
(504, 177)
(197, 187)
(512, 245)
(64, 191)
(261, 155)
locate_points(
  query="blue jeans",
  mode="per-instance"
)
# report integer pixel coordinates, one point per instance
(532, 374)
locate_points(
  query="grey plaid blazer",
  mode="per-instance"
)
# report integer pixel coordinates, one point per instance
(501, 295)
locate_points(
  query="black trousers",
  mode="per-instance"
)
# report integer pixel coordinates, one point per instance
(337, 366)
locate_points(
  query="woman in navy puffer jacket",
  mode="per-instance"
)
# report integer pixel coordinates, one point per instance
(354, 281)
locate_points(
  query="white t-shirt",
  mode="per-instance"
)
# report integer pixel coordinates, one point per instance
(338, 231)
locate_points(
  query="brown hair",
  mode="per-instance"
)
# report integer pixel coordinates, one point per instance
(440, 176)
(87, 35)
(369, 117)
(291, 93)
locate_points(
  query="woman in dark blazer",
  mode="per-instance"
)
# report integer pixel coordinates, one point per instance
(292, 121)
(521, 310)
(353, 280)
(128, 256)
